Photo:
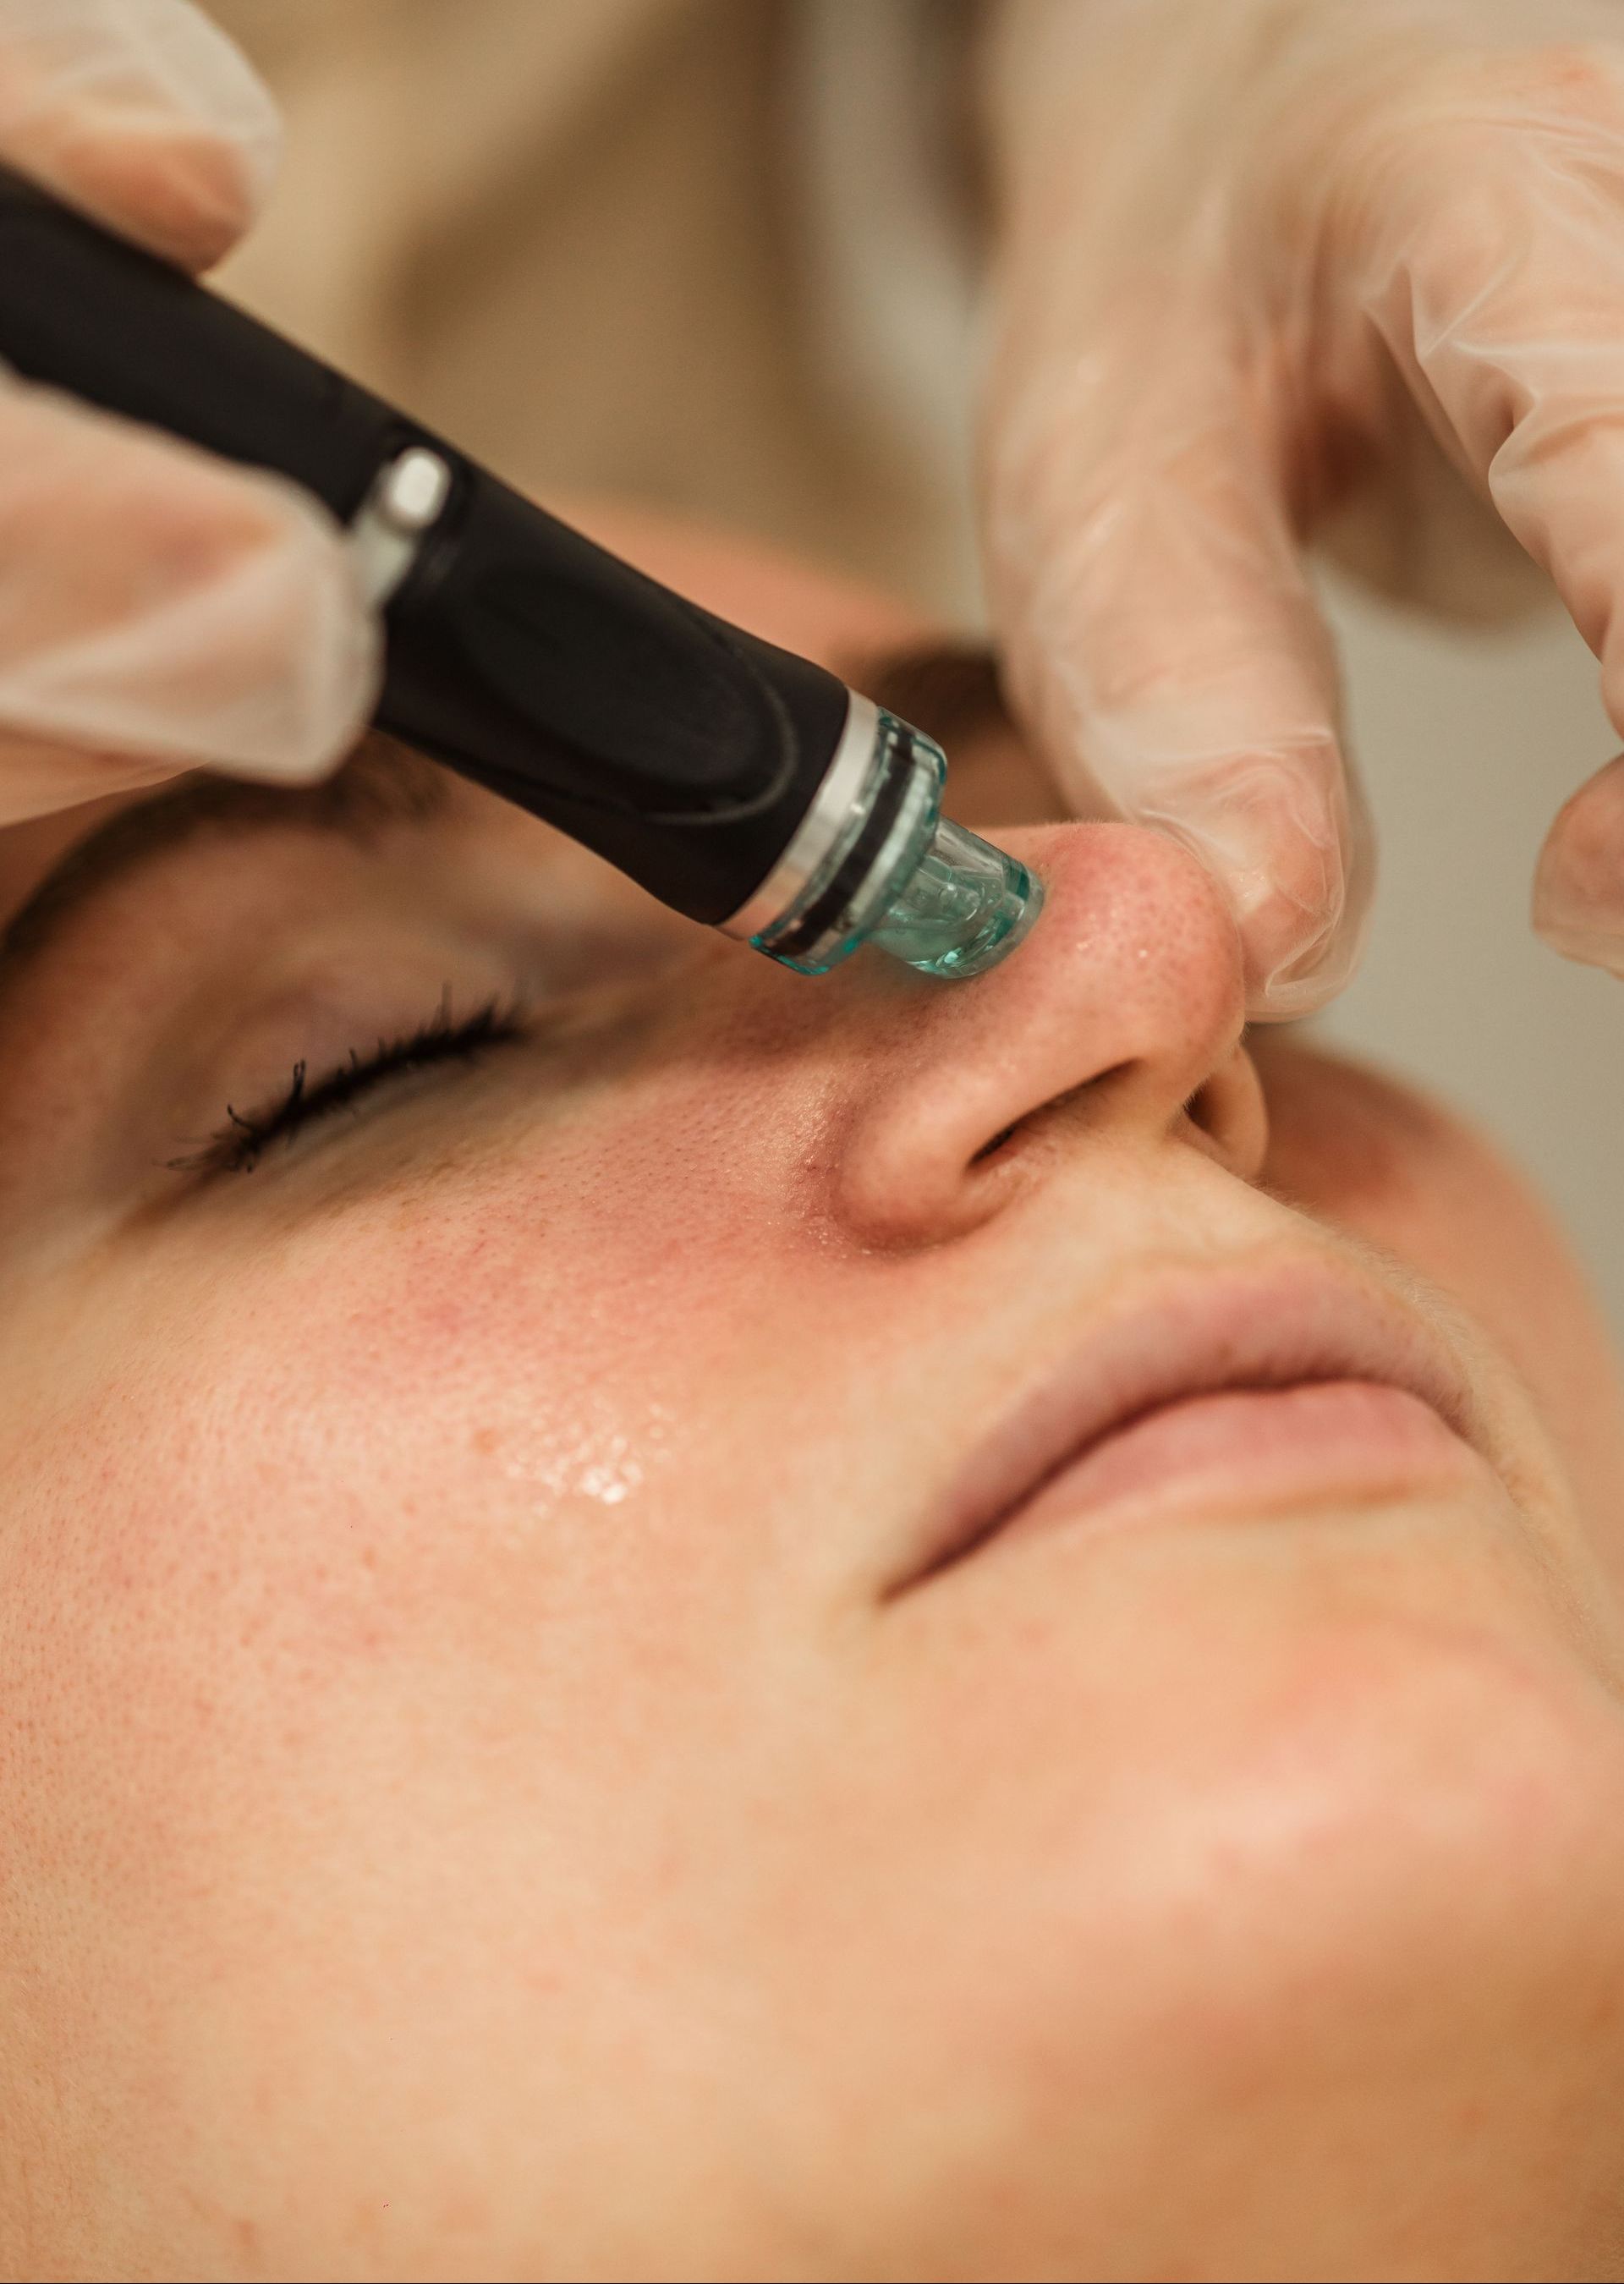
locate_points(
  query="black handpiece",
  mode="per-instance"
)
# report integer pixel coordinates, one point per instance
(738, 782)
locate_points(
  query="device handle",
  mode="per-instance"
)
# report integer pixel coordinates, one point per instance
(683, 749)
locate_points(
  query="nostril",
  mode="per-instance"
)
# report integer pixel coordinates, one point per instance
(1202, 1110)
(1226, 1116)
(990, 1148)
(1045, 1114)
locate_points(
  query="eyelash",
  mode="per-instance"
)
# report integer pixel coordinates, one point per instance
(239, 1145)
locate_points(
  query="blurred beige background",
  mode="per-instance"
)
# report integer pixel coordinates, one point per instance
(1469, 742)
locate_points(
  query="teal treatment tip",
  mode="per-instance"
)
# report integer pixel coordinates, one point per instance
(963, 908)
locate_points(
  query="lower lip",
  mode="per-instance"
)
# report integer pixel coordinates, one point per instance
(1258, 1447)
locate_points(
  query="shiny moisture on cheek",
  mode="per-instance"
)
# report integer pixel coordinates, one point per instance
(594, 1456)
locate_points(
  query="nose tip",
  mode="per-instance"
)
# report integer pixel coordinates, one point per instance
(1133, 972)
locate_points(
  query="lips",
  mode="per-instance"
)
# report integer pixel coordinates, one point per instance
(1125, 1404)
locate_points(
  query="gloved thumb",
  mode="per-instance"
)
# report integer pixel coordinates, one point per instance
(140, 113)
(1579, 889)
(159, 610)
(1161, 641)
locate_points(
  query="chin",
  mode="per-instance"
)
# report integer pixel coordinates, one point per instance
(1370, 1931)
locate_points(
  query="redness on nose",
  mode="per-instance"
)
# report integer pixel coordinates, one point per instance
(1134, 973)
(1136, 967)
(1145, 919)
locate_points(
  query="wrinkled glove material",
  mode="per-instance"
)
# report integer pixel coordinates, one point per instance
(159, 609)
(1282, 271)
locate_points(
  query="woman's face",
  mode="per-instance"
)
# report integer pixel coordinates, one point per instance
(596, 1682)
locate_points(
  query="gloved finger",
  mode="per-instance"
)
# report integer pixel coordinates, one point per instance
(1579, 889)
(1493, 267)
(1161, 640)
(142, 113)
(160, 606)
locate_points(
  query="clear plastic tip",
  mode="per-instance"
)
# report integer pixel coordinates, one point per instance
(891, 870)
(966, 906)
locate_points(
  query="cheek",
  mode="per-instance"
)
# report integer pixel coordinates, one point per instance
(1378, 1160)
(453, 1436)
(368, 1582)
(1273, 1832)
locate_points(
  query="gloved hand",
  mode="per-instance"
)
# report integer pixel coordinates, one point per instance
(1269, 268)
(158, 608)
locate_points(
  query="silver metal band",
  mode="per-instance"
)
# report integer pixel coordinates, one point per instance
(820, 828)
(406, 502)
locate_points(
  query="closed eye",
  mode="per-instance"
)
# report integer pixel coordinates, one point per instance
(238, 1145)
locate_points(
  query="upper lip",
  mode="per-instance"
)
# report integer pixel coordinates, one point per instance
(1270, 1325)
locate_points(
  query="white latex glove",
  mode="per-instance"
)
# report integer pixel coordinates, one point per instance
(1263, 262)
(158, 608)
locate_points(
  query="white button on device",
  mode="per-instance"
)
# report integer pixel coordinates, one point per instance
(415, 490)
(408, 500)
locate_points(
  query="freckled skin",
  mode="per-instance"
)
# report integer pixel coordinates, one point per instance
(469, 1805)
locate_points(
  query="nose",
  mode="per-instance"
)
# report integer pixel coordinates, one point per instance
(1123, 1012)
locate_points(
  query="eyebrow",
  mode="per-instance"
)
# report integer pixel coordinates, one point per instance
(949, 690)
(380, 785)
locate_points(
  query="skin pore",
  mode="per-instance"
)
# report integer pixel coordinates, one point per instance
(496, 1779)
